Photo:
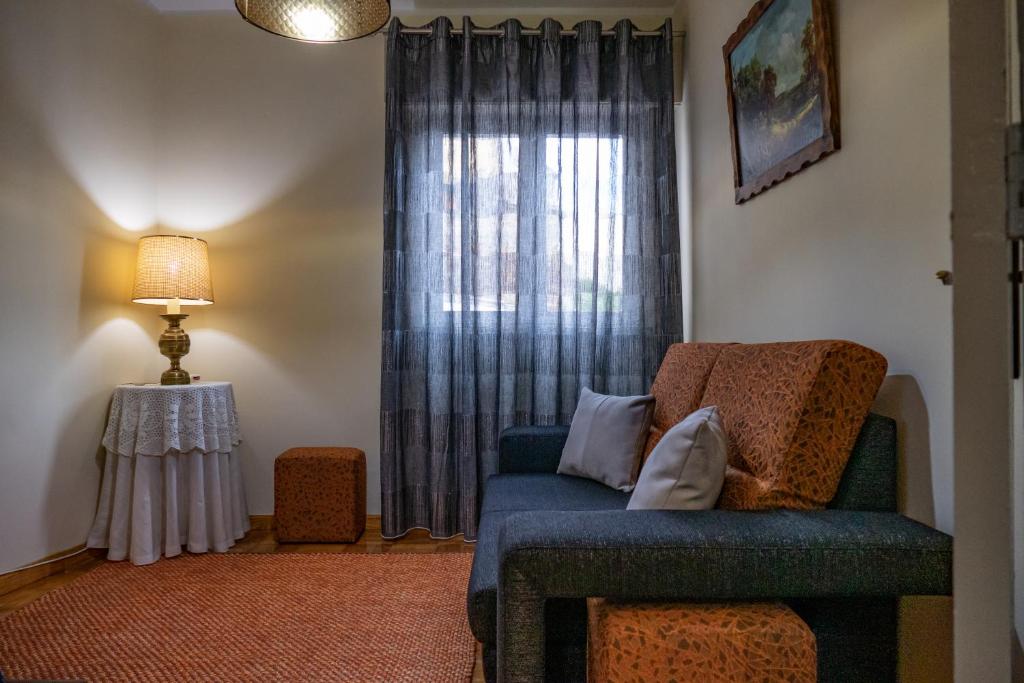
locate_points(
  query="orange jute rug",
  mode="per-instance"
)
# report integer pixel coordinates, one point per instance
(287, 617)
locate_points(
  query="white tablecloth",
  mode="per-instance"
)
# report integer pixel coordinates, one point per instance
(172, 475)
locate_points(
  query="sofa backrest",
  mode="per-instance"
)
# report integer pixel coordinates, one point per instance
(791, 412)
(679, 386)
(869, 482)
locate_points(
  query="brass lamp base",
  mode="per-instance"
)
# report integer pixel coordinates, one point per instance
(174, 344)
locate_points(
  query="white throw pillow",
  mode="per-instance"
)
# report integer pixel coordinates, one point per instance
(606, 438)
(686, 470)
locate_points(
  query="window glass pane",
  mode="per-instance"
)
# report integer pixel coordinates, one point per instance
(584, 224)
(493, 163)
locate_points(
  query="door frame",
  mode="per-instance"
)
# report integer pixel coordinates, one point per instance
(982, 405)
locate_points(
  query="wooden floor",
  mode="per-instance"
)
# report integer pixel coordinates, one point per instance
(262, 541)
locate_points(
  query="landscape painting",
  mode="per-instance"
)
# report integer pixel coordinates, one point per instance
(781, 83)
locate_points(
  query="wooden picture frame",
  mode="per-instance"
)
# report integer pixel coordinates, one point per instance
(783, 98)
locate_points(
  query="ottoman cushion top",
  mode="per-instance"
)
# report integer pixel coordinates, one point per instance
(764, 642)
(322, 452)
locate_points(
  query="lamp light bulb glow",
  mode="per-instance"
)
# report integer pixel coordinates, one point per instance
(312, 23)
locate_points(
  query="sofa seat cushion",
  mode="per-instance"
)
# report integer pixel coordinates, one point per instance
(482, 595)
(792, 412)
(512, 492)
(505, 495)
(679, 386)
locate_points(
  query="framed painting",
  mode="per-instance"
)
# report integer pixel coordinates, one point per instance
(781, 84)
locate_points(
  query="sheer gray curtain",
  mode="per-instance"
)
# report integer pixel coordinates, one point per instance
(531, 245)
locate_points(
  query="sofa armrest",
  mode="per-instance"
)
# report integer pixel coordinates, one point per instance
(706, 555)
(525, 450)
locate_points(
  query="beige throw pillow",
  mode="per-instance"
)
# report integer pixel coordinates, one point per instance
(606, 438)
(685, 471)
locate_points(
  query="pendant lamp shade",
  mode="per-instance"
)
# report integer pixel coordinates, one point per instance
(317, 21)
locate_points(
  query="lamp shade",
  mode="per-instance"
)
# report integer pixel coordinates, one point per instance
(317, 21)
(170, 267)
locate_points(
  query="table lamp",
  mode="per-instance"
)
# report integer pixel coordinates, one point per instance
(173, 271)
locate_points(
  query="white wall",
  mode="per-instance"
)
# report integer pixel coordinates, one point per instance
(77, 172)
(273, 151)
(849, 247)
(1018, 530)
(117, 121)
(1017, 643)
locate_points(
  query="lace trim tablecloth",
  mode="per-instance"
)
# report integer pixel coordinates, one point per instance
(172, 477)
(156, 420)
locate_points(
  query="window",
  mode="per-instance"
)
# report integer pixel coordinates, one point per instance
(582, 224)
(494, 163)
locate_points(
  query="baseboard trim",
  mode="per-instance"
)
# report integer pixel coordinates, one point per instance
(261, 522)
(266, 522)
(60, 562)
(57, 563)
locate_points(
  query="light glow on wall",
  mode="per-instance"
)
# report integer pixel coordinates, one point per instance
(85, 101)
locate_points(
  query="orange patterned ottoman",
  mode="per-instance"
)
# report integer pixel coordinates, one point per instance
(699, 643)
(320, 495)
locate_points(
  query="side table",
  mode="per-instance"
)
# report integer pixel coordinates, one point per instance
(172, 475)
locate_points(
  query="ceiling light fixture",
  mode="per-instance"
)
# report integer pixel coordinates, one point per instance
(317, 21)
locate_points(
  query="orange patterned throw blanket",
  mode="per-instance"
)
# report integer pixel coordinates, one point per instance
(284, 617)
